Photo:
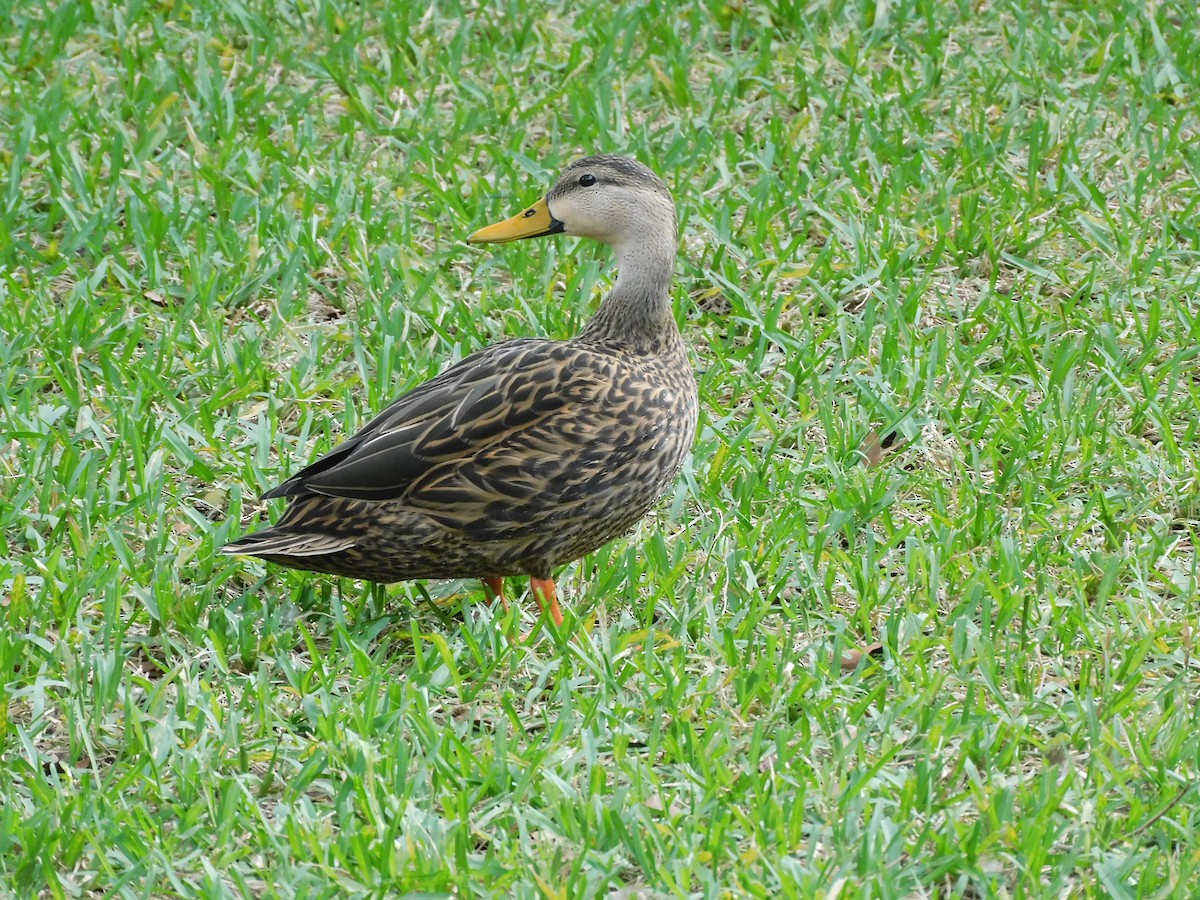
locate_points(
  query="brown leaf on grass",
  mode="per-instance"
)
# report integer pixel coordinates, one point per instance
(871, 449)
(670, 806)
(851, 658)
(767, 763)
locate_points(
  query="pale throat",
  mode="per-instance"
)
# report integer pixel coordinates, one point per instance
(637, 311)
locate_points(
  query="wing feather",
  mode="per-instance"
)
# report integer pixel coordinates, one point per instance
(499, 426)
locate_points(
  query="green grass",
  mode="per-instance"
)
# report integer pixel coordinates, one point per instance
(941, 274)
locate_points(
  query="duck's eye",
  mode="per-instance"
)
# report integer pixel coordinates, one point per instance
(587, 180)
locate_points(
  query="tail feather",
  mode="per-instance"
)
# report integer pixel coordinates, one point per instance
(276, 542)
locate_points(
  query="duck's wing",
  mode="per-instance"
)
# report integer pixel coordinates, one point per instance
(491, 427)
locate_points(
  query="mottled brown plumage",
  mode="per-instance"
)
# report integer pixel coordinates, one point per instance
(529, 453)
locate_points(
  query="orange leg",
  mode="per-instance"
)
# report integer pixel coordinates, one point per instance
(546, 595)
(495, 586)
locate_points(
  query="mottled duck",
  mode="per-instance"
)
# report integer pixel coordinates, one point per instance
(531, 452)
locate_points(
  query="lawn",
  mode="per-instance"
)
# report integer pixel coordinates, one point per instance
(918, 619)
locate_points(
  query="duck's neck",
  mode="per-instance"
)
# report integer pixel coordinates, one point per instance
(636, 315)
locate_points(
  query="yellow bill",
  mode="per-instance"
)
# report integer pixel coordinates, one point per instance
(534, 222)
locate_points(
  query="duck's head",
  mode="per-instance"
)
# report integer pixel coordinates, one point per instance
(613, 199)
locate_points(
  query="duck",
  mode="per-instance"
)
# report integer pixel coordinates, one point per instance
(529, 453)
